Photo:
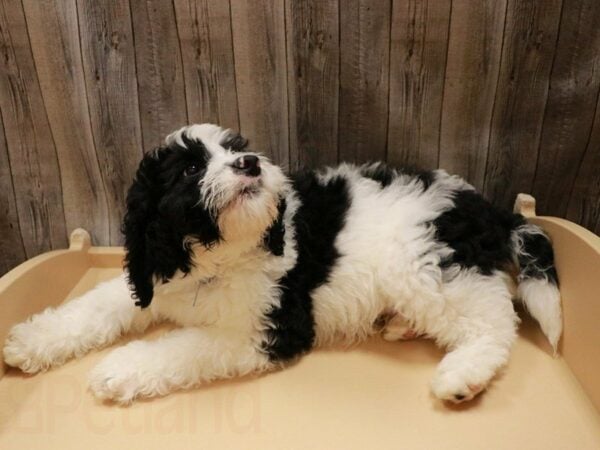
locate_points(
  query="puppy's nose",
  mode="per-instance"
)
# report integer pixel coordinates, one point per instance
(248, 165)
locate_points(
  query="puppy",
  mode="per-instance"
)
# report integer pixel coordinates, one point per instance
(259, 268)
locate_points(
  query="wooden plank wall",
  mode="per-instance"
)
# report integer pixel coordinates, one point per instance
(502, 92)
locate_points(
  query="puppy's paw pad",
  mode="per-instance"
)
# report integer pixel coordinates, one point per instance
(410, 334)
(398, 329)
(400, 335)
(464, 395)
(451, 389)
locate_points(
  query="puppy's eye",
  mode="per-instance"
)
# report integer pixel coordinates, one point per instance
(192, 169)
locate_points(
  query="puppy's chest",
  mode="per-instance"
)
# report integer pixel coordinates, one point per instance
(230, 298)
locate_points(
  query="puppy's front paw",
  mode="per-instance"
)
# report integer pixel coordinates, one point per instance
(455, 388)
(31, 347)
(118, 385)
(126, 374)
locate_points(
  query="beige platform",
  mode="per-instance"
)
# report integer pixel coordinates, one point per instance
(372, 396)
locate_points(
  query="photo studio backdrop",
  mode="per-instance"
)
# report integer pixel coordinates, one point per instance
(502, 92)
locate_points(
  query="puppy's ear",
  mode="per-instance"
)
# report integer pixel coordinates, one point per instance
(141, 216)
(153, 246)
(234, 141)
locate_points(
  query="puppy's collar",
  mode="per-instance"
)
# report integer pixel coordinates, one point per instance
(201, 283)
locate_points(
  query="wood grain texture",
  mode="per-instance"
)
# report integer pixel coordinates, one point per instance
(109, 63)
(364, 72)
(503, 92)
(12, 251)
(474, 51)
(161, 89)
(574, 85)
(313, 50)
(528, 50)
(418, 48)
(54, 36)
(207, 48)
(261, 75)
(31, 150)
(584, 201)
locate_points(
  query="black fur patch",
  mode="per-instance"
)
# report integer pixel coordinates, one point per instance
(478, 232)
(384, 175)
(426, 177)
(381, 173)
(235, 142)
(317, 222)
(537, 258)
(274, 236)
(162, 209)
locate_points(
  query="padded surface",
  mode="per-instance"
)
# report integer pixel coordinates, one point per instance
(374, 395)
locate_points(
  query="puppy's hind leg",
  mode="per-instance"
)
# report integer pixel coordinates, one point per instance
(479, 328)
(93, 320)
(398, 328)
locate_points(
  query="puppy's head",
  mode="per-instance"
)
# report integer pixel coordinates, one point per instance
(201, 190)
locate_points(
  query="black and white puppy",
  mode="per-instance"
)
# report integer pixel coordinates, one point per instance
(258, 268)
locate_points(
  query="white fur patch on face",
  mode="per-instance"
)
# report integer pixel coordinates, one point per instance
(244, 206)
(210, 135)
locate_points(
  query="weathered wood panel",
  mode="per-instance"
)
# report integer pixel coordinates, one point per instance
(528, 51)
(161, 90)
(31, 149)
(584, 201)
(54, 35)
(261, 72)
(476, 28)
(313, 81)
(419, 44)
(206, 42)
(12, 251)
(503, 92)
(574, 85)
(364, 75)
(109, 62)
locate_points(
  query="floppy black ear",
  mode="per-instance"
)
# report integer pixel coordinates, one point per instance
(153, 229)
(234, 141)
(140, 219)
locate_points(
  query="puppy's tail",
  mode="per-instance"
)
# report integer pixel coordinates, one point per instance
(537, 279)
